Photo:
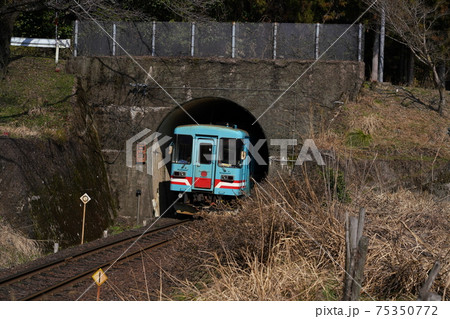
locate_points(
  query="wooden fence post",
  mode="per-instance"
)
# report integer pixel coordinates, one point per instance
(356, 252)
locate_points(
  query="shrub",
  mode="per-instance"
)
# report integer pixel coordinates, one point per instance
(358, 139)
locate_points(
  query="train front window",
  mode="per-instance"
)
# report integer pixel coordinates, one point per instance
(183, 149)
(230, 152)
(205, 153)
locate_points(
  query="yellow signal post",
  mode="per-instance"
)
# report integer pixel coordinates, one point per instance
(99, 278)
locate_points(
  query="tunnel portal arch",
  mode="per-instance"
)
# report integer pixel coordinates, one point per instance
(219, 111)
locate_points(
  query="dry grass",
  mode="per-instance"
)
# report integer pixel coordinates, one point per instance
(408, 233)
(382, 115)
(15, 248)
(287, 243)
(286, 275)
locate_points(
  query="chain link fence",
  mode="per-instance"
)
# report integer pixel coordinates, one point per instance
(215, 39)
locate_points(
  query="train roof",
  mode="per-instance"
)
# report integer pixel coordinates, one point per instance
(211, 130)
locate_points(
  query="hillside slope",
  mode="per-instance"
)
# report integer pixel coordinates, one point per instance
(49, 156)
(35, 98)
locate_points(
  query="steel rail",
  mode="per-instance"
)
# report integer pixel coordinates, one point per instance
(72, 280)
(26, 273)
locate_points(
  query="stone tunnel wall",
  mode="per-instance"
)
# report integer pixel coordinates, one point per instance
(124, 100)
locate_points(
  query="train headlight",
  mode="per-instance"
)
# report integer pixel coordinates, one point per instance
(227, 178)
(179, 174)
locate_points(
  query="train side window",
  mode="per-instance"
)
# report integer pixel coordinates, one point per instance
(205, 153)
(183, 149)
(230, 152)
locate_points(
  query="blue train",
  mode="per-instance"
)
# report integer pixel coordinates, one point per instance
(209, 161)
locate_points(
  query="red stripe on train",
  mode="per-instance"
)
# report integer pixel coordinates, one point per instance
(229, 185)
(175, 180)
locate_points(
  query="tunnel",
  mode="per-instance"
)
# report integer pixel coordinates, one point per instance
(218, 111)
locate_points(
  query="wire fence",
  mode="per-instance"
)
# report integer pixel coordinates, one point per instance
(216, 39)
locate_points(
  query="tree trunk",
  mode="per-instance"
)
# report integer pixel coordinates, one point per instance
(441, 99)
(375, 54)
(439, 82)
(410, 77)
(403, 78)
(6, 25)
(382, 43)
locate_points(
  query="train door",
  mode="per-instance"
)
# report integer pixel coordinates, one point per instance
(203, 176)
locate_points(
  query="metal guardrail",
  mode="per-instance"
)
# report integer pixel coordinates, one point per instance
(40, 43)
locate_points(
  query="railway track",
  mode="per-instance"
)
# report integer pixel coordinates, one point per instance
(46, 278)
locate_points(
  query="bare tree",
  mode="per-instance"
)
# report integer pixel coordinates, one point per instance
(9, 10)
(423, 26)
(192, 10)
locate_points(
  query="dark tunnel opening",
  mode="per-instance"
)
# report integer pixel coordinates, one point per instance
(219, 111)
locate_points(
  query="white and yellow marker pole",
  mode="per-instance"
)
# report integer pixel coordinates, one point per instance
(85, 199)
